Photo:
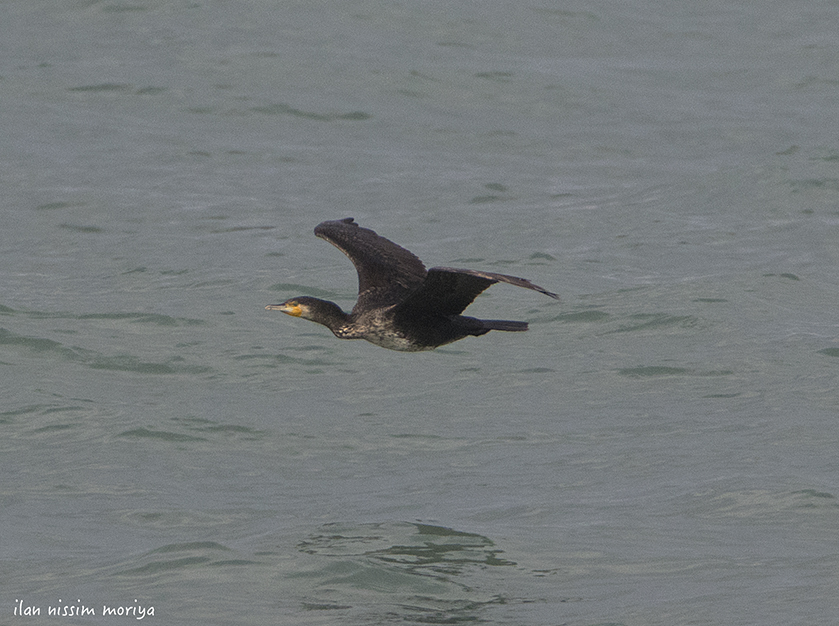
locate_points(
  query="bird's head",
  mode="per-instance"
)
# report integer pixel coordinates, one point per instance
(296, 307)
(320, 311)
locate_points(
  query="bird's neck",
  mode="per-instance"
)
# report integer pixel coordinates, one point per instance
(331, 315)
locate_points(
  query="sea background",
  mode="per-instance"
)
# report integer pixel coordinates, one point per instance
(662, 447)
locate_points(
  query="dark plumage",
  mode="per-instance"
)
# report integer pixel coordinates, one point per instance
(400, 305)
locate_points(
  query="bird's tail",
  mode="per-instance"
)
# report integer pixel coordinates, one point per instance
(504, 325)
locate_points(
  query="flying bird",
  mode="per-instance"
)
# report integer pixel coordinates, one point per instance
(401, 305)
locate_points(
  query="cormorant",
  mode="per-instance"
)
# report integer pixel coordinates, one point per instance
(401, 306)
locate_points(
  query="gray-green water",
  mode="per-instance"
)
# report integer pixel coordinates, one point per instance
(660, 448)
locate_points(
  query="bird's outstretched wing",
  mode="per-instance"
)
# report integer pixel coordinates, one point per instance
(448, 291)
(387, 273)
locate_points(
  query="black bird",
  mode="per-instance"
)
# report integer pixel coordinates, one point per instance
(401, 306)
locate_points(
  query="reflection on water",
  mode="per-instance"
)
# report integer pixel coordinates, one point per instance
(356, 573)
(418, 571)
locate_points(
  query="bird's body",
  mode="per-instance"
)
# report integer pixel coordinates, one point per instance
(401, 305)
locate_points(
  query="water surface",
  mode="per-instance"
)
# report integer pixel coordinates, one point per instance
(659, 448)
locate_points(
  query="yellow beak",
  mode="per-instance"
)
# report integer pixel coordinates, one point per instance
(295, 310)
